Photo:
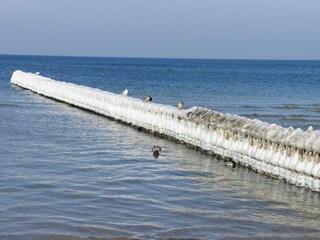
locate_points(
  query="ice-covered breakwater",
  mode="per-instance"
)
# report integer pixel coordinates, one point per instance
(285, 153)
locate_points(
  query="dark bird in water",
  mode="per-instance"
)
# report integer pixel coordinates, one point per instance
(156, 151)
(180, 104)
(147, 99)
(230, 164)
(156, 154)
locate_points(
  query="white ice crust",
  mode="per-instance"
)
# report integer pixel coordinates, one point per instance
(284, 153)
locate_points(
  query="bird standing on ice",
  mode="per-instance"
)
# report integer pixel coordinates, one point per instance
(37, 73)
(180, 104)
(147, 99)
(125, 92)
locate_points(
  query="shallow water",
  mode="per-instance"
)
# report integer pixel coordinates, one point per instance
(68, 173)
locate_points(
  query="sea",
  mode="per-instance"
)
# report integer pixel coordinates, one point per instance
(67, 173)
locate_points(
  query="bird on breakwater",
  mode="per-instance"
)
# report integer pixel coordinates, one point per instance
(37, 73)
(125, 92)
(156, 151)
(230, 164)
(310, 129)
(180, 104)
(147, 99)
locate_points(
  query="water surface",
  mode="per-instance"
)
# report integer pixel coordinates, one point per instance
(67, 173)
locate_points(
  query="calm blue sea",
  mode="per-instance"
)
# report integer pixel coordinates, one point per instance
(66, 173)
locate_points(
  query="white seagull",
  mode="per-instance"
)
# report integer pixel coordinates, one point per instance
(125, 92)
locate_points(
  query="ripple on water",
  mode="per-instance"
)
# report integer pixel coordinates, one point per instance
(40, 185)
(287, 106)
(70, 174)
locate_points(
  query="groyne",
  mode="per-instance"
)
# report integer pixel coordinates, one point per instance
(284, 153)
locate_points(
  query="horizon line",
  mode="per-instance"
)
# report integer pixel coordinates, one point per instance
(139, 57)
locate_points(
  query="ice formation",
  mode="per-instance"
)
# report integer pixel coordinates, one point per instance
(284, 153)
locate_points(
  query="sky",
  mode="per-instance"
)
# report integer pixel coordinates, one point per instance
(215, 29)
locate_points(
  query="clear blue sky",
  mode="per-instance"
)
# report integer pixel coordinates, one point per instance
(241, 29)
